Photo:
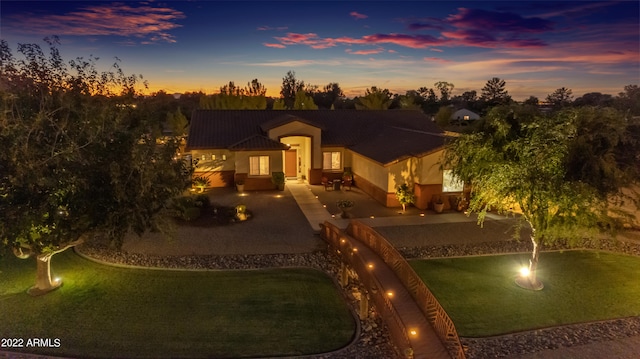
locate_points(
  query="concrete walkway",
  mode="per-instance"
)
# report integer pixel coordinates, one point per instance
(425, 342)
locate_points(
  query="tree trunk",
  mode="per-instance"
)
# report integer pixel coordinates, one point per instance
(44, 284)
(530, 281)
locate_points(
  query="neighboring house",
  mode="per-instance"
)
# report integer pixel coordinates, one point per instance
(463, 116)
(382, 149)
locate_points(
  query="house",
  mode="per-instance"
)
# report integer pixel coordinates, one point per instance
(463, 116)
(381, 149)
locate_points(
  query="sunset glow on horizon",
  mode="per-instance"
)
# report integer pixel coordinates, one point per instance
(535, 46)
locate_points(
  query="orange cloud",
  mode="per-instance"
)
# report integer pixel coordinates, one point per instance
(276, 46)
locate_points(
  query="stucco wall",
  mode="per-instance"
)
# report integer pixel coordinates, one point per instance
(224, 160)
(275, 161)
(371, 171)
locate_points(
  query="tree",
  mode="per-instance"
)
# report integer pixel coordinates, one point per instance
(255, 88)
(304, 102)
(78, 160)
(594, 99)
(330, 94)
(232, 97)
(560, 98)
(430, 100)
(532, 101)
(443, 117)
(564, 171)
(446, 89)
(494, 92)
(289, 89)
(629, 100)
(405, 196)
(411, 100)
(468, 100)
(177, 123)
(374, 99)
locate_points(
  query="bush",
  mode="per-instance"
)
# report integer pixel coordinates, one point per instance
(187, 207)
(191, 213)
(202, 201)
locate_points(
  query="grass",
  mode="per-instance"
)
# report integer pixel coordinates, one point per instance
(103, 311)
(482, 299)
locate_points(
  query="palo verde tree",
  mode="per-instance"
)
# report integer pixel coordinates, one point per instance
(565, 172)
(79, 158)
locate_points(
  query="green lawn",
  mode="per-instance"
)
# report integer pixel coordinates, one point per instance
(103, 311)
(482, 299)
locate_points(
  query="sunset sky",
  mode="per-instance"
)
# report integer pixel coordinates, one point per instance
(535, 46)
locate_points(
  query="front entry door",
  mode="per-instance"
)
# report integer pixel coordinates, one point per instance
(290, 163)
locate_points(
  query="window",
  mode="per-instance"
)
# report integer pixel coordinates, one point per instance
(258, 165)
(450, 183)
(213, 157)
(466, 117)
(331, 161)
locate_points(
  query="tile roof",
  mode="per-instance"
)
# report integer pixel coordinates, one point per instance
(383, 136)
(258, 142)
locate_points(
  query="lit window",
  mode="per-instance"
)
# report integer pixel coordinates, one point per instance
(213, 157)
(258, 165)
(331, 161)
(451, 183)
(466, 117)
(204, 157)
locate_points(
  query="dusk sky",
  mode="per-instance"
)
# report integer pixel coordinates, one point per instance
(535, 46)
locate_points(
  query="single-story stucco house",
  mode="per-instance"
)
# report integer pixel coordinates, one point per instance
(381, 149)
(463, 116)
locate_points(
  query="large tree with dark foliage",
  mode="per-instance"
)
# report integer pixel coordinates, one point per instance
(495, 93)
(568, 173)
(79, 157)
(290, 87)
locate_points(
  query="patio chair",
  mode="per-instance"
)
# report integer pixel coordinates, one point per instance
(328, 185)
(346, 182)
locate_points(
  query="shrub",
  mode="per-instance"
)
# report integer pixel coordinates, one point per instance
(202, 201)
(405, 195)
(191, 213)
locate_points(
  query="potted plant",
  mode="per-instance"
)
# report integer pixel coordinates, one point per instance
(240, 185)
(405, 196)
(200, 182)
(460, 203)
(277, 178)
(438, 204)
(345, 205)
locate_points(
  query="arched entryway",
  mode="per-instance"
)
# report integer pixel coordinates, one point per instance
(297, 160)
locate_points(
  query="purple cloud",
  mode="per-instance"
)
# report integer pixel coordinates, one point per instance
(147, 22)
(358, 16)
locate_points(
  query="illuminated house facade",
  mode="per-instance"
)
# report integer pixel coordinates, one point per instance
(381, 149)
